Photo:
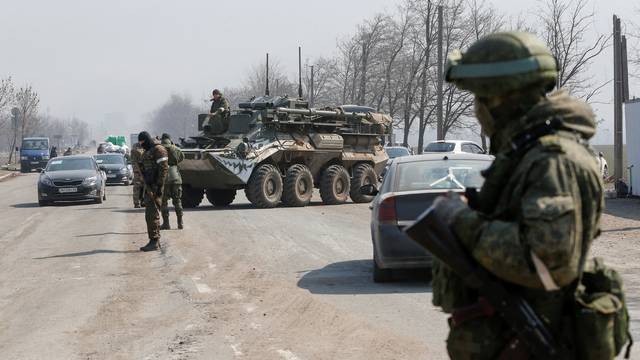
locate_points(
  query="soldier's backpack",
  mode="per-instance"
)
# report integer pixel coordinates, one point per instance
(601, 315)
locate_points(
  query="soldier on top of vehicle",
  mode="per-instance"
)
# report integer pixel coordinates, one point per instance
(218, 115)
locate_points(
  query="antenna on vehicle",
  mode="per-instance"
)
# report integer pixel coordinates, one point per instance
(266, 90)
(299, 72)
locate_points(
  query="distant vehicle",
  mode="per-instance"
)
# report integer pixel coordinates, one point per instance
(397, 151)
(411, 184)
(454, 146)
(602, 164)
(71, 178)
(34, 153)
(116, 168)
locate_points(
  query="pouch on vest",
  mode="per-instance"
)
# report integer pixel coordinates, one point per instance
(449, 290)
(601, 316)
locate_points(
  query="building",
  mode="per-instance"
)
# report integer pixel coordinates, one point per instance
(632, 127)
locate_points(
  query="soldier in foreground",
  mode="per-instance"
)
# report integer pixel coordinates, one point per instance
(173, 185)
(534, 221)
(154, 168)
(138, 182)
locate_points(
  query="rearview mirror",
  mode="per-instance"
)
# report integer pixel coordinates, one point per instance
(369, 189)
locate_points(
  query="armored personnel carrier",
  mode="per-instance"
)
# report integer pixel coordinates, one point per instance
(277, 150)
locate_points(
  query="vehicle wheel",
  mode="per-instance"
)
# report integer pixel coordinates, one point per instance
(363, 174)
(334, 185)
(381, 275)
(191, 197)
(264, 188)
(298, 186)
(99, 199)
(43, 203)
(220, 197)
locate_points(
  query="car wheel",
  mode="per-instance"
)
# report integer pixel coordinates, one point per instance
(220, 197)
(43, 203)
(298, 186)
(363, 174)
(264, 188)
(381, 275)
(191, 197)
(335, 185)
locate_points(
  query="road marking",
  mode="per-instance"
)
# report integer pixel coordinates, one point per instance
(288, 355)
(202, 288)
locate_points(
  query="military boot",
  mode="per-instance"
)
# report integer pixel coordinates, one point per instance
(165, 222)
(180, 225)
(151, 246)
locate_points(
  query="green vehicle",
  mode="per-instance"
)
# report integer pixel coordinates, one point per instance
(278, 150)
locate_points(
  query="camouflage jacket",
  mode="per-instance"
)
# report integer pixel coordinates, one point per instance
(136, 157)
(222, 102)
(175, 156)
(154, 166)
(547, 202)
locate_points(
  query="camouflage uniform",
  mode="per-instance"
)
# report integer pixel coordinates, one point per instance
(138, 182)
(173, 185)
(218, 119)
(541, 204)
(154, 168)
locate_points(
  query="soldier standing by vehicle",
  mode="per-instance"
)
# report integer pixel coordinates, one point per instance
(154, 168)
(538, 212)
(173, 185)
(138, 181)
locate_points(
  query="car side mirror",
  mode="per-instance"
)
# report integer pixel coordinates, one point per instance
(369, 189)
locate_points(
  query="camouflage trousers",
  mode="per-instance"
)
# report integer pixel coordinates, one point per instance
(173, 192)
(151, 216)
(138, 185)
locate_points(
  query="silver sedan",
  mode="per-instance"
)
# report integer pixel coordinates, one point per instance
(411, 184)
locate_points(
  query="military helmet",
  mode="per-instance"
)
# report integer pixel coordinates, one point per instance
(501, 63)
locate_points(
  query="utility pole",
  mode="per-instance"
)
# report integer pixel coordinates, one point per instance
(299, 72)
(440, 124)
(620, 94)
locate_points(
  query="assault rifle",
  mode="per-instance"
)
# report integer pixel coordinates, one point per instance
(430, 232)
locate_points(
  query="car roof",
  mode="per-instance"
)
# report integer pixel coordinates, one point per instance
(74, 157)
(442, 156)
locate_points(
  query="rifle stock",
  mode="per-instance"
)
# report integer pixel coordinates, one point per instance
(434, 235)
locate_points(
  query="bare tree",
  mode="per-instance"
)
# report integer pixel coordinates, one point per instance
(177, 117)
(7, 97)
(27, 101)
(565, 25)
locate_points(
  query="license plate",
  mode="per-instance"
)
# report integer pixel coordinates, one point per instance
(35, 162)
(68, 190)
(111, 176)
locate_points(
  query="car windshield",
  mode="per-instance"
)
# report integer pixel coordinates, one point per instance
(109, 160)
(35, 144)
(440, 147)
(440, 174)
(395, 152)
(70, 164)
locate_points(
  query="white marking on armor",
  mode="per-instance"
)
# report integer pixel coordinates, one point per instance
(162, 159)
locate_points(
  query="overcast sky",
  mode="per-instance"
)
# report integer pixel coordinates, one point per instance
(89, 58)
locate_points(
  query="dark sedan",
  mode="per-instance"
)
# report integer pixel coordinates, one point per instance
(116, 168)
(71, 178)
(411, 184)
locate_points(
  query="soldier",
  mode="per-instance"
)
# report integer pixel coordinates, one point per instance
(138, 182)
(535, 218)
(173, 185)
(154, 168)
(218, 113)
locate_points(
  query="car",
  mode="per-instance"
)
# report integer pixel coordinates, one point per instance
(71, 178)
(116, 167)
(34, 153)
(411, 184)
(454, 146)
(397, 151)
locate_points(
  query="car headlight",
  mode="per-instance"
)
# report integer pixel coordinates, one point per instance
(45, 157)
(124, 171)
(90, 181)
(24, 158)
(44, 179)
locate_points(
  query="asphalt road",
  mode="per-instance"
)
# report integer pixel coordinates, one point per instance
(284, 283)
(237, 283)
